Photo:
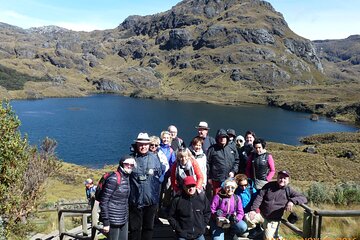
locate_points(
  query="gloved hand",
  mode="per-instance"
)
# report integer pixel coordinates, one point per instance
(219, 212)
(233, 218)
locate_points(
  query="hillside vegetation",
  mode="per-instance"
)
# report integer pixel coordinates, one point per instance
(231, 51)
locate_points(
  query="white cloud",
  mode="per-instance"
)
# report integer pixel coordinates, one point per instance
(20, 20)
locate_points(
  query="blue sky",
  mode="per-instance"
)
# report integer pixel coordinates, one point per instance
(312, 19)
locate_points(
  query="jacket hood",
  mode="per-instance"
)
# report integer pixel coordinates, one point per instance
(222, 132)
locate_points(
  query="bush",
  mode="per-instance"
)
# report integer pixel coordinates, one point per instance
(341, 194)
(23, 170)
(319, 193)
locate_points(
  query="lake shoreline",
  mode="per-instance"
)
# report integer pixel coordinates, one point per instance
(199, 99)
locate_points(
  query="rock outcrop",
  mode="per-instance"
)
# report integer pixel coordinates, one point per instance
(236, 43)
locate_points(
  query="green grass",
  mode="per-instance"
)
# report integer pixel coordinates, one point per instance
(13, 80)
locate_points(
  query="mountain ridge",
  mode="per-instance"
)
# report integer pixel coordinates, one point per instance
(229, 51)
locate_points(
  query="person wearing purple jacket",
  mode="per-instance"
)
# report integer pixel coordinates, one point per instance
(227, 212)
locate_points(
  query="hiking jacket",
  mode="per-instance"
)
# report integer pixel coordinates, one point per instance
(176, 180)
(264, 166)
(169, 153)
(200, 158)
(176, 143)
(189, 215)
(114, 200)
(207, 143)
(222, 202)
(244, 153)
(220, 161)
(272, 200)
(247, 195)
(145, 180)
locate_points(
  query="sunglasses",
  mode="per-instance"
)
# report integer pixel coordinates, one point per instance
(154, 145)
(190, 186)
(129, 165)
(245, 185)
(230, 187)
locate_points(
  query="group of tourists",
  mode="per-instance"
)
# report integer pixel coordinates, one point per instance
(222, 182)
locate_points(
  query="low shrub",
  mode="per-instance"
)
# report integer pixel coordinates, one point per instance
(340, 194)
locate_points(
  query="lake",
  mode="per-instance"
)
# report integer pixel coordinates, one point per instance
(96, 130)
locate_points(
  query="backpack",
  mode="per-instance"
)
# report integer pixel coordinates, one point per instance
(102, 181)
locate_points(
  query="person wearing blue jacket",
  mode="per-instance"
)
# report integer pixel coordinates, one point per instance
(246, 191)
(114, 201)
(144, 190)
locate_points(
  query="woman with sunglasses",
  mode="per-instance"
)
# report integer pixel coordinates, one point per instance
(114, 201)
(227, 212)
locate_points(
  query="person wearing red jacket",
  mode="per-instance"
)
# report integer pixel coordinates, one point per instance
(185, 165)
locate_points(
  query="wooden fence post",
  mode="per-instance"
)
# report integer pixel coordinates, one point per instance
(315, 226)
(94, 219)
(307, 224)
(60, 221)
(84, 224)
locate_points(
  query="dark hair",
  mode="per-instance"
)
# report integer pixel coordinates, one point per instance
(195, 140)
(240, 177)
(259, 141)
(251, 133)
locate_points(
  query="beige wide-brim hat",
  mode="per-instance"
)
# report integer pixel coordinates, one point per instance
(142, 138)
(203, 125)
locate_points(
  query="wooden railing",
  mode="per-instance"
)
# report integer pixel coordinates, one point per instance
(85, 214)
(312, 220)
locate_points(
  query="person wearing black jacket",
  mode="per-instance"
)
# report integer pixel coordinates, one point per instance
(222, 161)
(114, 201)
(189, 212)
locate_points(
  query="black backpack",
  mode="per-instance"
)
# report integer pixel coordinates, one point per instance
(102, 181)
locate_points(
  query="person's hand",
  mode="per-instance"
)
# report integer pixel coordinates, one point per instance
(231, 174)
(210, 181)
(252, 215)
(233, 219)
(289, 206)
(106, 229)
(199, 190)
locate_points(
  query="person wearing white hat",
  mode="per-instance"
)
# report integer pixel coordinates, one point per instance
(145, 189)
(203, 132)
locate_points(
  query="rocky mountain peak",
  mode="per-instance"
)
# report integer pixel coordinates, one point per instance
(51, 29)
(242, 44)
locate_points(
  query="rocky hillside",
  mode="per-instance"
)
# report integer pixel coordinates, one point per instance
(341, 58)
(228, 51)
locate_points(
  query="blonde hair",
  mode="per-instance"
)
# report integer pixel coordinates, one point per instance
(183, 152)
(163, 133)
(155, 140)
